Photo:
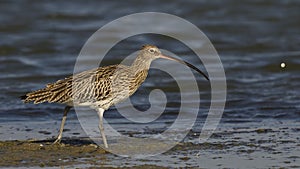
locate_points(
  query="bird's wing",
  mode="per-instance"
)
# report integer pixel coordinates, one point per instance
(95, 85)
(87, 86)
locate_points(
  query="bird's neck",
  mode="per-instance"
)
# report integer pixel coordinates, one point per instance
(139, 71)
(141, 64)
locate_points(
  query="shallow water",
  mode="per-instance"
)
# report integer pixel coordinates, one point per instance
(40, 42)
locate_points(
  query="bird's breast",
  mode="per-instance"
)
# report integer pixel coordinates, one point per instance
(124, 85)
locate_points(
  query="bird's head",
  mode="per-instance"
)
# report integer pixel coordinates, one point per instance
(152, 52)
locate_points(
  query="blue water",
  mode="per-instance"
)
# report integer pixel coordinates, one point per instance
(40, 41)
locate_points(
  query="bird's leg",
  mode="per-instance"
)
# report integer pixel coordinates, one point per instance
(100, 112)
(58, 139)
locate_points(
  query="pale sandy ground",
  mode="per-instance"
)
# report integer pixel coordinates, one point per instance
(269, 144)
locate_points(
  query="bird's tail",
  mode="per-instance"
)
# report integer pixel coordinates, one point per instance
(59, 92)
(37, 97)
(23, 97)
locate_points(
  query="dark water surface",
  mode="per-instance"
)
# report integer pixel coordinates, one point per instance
(40, 41)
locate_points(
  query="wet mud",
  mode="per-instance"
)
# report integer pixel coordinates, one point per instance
(260, 147)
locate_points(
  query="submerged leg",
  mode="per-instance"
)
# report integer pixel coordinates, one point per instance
(100, 112)
(67, 109)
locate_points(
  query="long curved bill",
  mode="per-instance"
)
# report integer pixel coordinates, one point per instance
(185, 63)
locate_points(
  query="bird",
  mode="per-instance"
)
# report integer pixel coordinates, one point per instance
(101, 87)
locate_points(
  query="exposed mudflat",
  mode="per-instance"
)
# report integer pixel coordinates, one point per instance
(228, 148)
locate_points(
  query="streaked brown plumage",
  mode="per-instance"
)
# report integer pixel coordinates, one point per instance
(101, 87)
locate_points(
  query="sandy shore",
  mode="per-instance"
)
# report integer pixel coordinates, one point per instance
(268, 147)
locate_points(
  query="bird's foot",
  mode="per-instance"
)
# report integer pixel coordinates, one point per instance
(57, 141)
(105, 145)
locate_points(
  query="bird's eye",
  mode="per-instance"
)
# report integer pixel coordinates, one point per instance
(151, 50)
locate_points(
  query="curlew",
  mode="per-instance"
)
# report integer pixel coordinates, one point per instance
(101, 87)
